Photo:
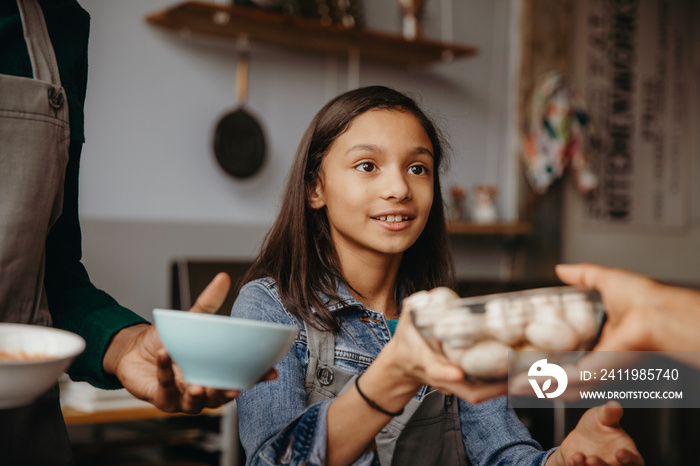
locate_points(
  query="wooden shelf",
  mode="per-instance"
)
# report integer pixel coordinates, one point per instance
(505, 229)
(229, 22)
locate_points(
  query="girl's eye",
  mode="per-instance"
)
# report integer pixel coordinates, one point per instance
(365, 167)
(418, 170)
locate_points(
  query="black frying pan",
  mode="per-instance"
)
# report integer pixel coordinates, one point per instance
(239, 142)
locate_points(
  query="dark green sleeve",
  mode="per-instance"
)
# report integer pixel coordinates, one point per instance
(75, 303)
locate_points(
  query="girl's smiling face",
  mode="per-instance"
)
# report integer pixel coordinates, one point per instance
(376, 183)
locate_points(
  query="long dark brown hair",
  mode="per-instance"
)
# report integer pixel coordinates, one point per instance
(298, 252)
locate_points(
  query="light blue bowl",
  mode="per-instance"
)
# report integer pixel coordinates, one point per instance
(219, 351)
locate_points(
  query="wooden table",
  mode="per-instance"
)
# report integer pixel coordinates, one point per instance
(100, 420)
(73, 416)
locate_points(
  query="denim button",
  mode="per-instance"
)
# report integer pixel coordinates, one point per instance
(324, 375)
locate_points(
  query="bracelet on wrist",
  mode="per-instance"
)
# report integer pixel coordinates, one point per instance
(374, 405)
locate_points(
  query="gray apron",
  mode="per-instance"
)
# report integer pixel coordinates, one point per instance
(427, 433)
(34, 141)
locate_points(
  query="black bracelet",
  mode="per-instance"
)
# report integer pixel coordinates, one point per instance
(375, 405)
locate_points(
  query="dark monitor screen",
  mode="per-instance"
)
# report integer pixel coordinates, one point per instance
(189, 277)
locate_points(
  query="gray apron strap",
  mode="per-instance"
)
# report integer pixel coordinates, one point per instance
(427, 433)
(41, 53)
(323, 379)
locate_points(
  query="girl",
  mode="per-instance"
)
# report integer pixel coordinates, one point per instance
(362, 226)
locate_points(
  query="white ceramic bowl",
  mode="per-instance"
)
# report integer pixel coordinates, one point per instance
(220, 351)
(48, 353)
(477, 333)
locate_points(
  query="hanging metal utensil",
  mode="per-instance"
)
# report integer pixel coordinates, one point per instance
(239, 141)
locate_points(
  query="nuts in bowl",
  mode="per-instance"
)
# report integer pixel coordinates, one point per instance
(476, 333)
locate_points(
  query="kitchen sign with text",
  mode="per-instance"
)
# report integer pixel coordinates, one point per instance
(633, 62)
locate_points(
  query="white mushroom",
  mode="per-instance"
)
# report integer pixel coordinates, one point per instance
(580, 314)
(417, 300)
(442, 294)
(459, 327)
(486, 360)
(573, 295)
(546, 307)
(542, 298)
(521, 306)
(453, 353)
(505, 322)
(552, 335)
(428, 306)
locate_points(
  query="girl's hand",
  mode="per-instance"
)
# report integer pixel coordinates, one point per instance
(419, 364)
(598, 440)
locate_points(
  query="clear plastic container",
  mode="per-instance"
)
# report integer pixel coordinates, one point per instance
(477, 333)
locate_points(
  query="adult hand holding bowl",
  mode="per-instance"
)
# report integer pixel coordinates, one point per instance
(138, 358)
(220, 351)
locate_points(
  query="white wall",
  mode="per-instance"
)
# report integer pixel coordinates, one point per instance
(154, 99)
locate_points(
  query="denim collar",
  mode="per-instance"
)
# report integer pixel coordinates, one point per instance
(346, 299)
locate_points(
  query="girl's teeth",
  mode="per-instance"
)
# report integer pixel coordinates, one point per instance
(392, 218)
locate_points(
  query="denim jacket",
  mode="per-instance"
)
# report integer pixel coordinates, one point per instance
(276, 426)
